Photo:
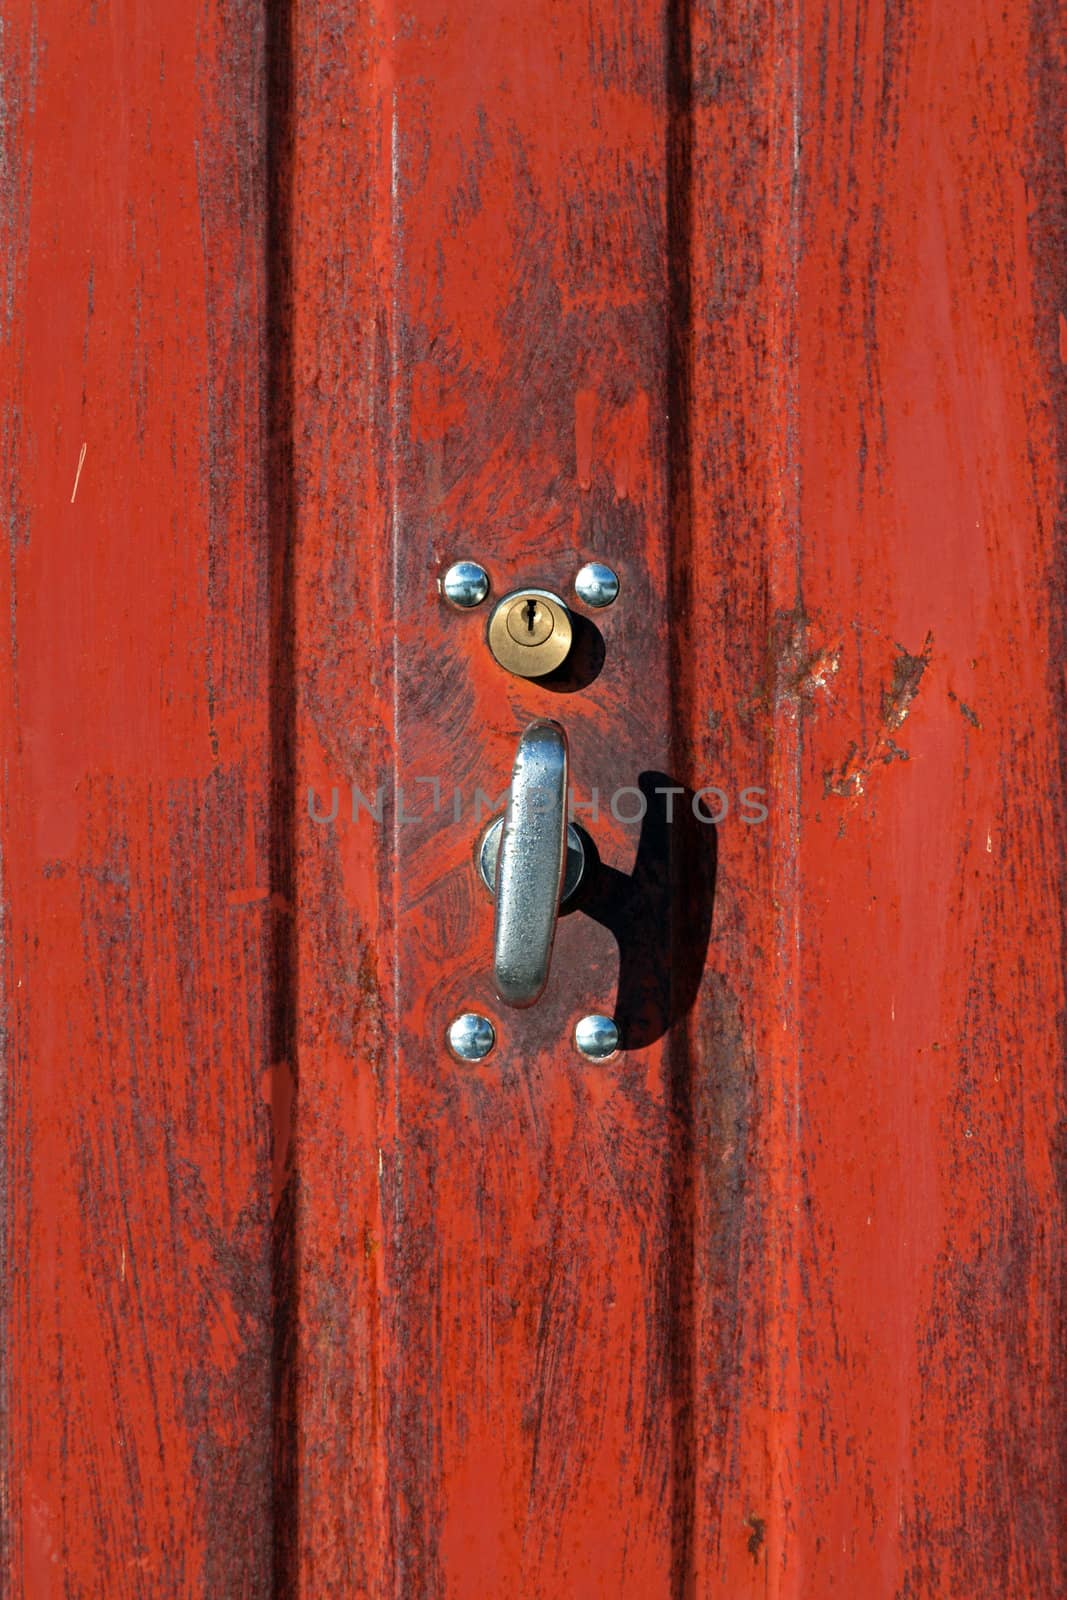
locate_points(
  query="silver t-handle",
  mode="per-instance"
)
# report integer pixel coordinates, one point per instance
(529, 870)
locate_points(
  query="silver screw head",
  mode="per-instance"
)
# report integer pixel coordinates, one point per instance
(465, 584)
(597, 1038)
(471, 1036)
(597, 585)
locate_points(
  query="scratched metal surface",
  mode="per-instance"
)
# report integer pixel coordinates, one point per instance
(765, 306)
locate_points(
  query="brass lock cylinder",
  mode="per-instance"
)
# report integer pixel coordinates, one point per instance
(530, 632)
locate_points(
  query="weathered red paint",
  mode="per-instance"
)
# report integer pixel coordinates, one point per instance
(134, 772)
(763, 305)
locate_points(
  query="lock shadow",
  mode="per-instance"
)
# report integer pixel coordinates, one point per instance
(660, 913)
(584, 660)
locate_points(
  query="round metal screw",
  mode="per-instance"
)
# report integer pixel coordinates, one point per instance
(597, 1038)
(597, 585)
(465, 584)
(471, 1036)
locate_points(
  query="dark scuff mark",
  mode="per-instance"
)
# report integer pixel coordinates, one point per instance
(89, 309)
(965, 710)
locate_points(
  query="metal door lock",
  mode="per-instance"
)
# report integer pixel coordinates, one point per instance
(530, 632)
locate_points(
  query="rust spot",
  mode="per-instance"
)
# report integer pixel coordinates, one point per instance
(849, 778)
(810, 674)
(907, 675)
(800, 672)
(757, 1535)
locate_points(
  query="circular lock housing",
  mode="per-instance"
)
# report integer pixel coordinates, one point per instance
(530, 632)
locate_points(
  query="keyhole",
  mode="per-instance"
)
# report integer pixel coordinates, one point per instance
(529, 632)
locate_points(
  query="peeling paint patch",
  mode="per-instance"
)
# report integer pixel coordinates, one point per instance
(801, 672)
(848, 780)
(907, 675)
(817, 672)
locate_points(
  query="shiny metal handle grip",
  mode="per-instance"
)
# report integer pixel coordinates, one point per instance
(529, 874)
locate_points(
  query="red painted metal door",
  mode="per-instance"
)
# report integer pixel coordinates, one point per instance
(764, 306)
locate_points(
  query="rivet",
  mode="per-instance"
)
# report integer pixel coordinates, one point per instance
(465, 585)
(471, 1036)
(597, 1038)
(597, 585)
